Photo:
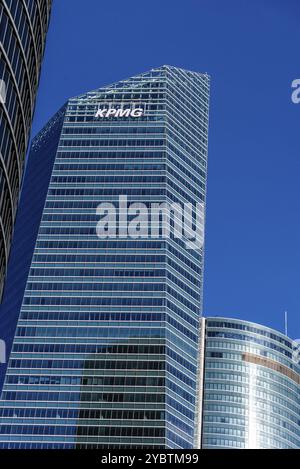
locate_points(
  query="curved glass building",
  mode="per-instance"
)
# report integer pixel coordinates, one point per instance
(23, 28)
(250, 389)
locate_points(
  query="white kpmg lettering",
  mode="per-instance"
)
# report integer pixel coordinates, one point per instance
(113, 112)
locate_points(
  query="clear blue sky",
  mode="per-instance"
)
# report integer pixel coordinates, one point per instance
(251, 51)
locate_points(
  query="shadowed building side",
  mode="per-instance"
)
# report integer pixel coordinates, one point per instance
(34, 190)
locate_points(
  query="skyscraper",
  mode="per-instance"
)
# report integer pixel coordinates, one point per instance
(106, 350)
(250, 383)
(23, 28)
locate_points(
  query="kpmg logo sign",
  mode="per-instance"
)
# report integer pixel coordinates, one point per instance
(113, 112)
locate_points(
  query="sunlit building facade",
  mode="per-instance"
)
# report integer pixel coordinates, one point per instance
(250, 392)
(106, 349)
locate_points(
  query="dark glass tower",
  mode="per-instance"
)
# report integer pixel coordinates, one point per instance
(23, 28)
(106, 349)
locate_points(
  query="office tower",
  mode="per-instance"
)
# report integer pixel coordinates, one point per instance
(106, 349)
(23, 28)
(251, 386)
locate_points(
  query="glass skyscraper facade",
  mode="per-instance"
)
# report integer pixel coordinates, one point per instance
(106, 349)
(250, 386)
(23, 29)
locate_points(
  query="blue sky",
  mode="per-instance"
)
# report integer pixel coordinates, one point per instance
(251, 51)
